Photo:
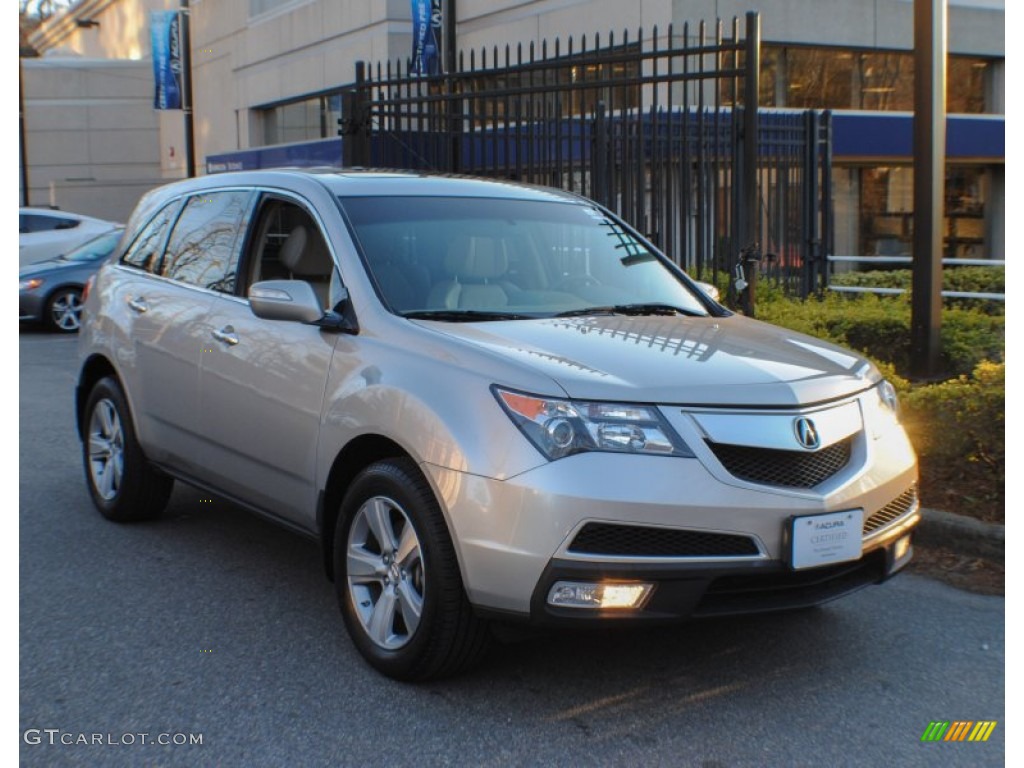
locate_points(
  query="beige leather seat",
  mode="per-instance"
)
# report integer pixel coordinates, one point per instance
(475, 265)
(306, 257)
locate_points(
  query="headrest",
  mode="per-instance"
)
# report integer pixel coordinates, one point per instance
(305, 255)
(476, 258)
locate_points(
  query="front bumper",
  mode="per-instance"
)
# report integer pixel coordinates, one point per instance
(514, 538)
(30, 306)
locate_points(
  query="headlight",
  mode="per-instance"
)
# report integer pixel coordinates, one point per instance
(561, 428)
(31, 284)
(887, 394)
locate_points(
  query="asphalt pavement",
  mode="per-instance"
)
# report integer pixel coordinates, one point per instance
(215, 624)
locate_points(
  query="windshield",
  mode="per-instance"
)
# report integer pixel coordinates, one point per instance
(97, 248)
(472, 258)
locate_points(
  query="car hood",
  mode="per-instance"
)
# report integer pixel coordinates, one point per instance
(674, 360)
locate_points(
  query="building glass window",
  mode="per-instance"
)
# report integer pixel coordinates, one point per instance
(303, 120)
(887, 211)
(834, 78)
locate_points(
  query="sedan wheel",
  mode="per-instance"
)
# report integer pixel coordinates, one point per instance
(64, 312)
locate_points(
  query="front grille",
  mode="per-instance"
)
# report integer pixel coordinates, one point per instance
(794, 469)
(639, 541)
(894, 510)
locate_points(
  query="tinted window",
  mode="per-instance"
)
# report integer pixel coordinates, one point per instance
(144, 252)
(203, 250)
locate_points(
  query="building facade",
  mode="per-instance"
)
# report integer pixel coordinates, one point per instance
(269, 73)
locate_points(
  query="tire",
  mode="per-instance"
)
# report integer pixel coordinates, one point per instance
(124, 486)
(64, 310)
(403, 602)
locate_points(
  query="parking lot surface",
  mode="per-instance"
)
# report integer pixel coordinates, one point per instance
(213, 622)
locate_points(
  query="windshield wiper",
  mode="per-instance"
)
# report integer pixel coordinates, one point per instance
(464, 315)
(632, 309)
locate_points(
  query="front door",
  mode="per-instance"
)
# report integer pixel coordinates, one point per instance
(262, 387)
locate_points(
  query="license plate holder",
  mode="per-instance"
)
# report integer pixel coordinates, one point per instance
(834, 537)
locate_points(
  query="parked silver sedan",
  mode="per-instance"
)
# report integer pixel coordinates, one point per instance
(50, 292)
(487, 402)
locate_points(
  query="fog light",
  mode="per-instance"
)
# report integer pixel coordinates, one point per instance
(900, 549)
(581, 594)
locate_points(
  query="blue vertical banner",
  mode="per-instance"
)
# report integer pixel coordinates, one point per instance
(426, 22)
(165, 28)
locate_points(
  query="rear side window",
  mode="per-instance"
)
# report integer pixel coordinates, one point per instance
(144, 252)
(203, 249)
(34, 222)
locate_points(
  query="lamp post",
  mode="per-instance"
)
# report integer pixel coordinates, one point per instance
(186, 88)
(929, 178)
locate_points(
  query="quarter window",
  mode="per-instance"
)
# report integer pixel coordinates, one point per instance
(203, 248)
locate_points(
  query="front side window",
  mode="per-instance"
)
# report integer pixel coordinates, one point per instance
(203, 249)
(288, 245)
(512, 257)
(145, 250)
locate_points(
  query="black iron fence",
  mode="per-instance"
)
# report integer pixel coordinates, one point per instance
(652, 126)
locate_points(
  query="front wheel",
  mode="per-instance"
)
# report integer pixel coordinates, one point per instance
(397, 578)
(123, 485)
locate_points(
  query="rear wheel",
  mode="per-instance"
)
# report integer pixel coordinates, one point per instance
(398, 580)
(64, 310)
(123, 485)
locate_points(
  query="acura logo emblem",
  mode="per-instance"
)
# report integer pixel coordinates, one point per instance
(806, 433)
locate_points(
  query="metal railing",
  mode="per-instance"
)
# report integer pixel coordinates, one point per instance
(910, 260)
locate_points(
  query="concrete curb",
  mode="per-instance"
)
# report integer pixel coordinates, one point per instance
(965, 535)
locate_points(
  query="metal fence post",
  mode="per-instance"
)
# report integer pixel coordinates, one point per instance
(598, 182)
(355, 109)
(749, 196)
(812, 199)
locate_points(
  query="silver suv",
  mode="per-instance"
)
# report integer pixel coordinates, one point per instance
(487, 402)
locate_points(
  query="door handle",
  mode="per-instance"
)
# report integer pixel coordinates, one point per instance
(226, 335)
(138, 305)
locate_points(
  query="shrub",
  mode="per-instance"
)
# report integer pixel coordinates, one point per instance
(958, 430)
(879, 326)
(966, 279)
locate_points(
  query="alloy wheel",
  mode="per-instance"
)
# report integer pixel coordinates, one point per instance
(106, 449)
(385, 572)
(66, 311)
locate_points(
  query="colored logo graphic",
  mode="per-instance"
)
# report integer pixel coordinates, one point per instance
(958, 730)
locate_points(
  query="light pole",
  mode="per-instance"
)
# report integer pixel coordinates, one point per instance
(929, 180)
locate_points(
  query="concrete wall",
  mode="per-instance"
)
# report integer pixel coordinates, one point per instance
(92, 136)
(242, 62)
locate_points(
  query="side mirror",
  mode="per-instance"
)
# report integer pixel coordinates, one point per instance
(285, 300)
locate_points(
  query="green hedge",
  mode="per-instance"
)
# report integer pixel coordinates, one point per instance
(879, 326)
(966, 279)
(976, 279)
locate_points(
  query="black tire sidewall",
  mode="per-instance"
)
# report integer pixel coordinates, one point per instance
(127, 502)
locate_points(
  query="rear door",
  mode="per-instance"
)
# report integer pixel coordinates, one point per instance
(263, 382)
(169, 304)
